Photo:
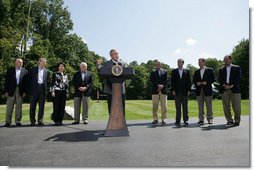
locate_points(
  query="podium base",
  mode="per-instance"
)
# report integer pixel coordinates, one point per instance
(116, 133)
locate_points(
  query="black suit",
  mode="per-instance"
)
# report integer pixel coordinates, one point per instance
(156, 79)
(78, 82)
(37, 93)
(209, 77)
(232, 95)
(181, 86)
(11, 82)
(234, 79)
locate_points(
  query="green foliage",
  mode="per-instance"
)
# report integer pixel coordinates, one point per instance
(241, 57)
(215, 65)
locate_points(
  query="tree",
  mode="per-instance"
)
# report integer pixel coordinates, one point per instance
(240, 56)
(215, 65)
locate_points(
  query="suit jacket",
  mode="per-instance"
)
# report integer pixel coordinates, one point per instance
(33, 80)
(11, 81)
(181, 85)
(107, 84)
(156, 79)
(234, 79)
(209, 77)
(78, 82)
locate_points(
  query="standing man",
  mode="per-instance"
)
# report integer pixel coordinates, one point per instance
(107, 84)
(203, 80)
(15, 89)
(38, 78)
(181, 87)
(82, 81)
(159, 80)
(229, 78)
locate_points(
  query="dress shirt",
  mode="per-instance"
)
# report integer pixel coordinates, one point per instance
(18, 71)
(40, 75)
(202, 71)
(228, 73)
(180, 70)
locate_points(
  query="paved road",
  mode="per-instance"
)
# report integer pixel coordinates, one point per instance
(167, 146)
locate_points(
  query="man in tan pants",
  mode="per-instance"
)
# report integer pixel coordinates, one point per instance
(15, 89)
(229, 78)
(159, 78)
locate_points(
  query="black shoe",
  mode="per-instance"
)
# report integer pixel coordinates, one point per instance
(7, 125)
(32, 124)
(163, 122)
(200, 122)
(230, 123)
(40, 123)
(18, 124)
(86, 122)
(75, 123)
(186, 123)
(236, 123)
(210, 122)
(177, 123)
(155, 122)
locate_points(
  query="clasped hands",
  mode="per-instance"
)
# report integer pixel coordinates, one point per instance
(201, 83)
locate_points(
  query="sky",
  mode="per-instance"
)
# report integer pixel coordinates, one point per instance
(165, 30)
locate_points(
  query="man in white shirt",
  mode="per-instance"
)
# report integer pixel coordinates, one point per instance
(38, 78)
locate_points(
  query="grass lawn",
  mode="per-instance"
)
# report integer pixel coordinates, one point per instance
(135, 110)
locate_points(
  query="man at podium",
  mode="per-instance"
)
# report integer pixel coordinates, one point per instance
(107, 83)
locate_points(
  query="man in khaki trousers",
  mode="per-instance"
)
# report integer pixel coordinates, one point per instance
(229, 78)
(15, 89)
(159, 78)
(82, 81)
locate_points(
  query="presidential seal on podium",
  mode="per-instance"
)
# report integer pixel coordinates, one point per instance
(117, 70)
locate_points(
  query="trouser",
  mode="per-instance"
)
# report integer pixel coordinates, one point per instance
(235, 99)
(181, 101)
(10, 105)
(162, 99)
(109, 100)
(208, 101)
(34, 99)
(77, 106)
(59, 105)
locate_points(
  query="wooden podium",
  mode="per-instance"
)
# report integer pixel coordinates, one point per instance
(116, 123)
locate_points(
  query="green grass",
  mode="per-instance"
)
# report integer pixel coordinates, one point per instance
(135, 109)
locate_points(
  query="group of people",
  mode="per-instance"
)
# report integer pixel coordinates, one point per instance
(19, 82)
(229, 80)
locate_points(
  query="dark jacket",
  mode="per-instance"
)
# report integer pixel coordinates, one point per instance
(209, 77)
(156, 79)
(78, 82)
(11, 81)
(107, 84)
(234, 79)
(181, 86)
(33, 80)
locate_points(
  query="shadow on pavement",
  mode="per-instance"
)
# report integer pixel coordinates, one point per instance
(215, 127)
(77, 136)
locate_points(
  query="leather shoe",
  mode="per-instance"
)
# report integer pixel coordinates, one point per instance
(230, 123)
(32, 124)
(200, 122)
(186, 123)
(177, 123)
(163, 122)
(155, 122)
(86, 122)
(18, 124)
(75, 123)
(7, 125)
(41, 123)
(236, 123)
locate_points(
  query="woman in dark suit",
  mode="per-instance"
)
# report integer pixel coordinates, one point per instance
(58, 91)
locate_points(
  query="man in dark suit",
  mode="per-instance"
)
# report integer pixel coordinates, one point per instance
(82, 81)
(107, 84)
(159, 81)
(15, 89)
(38, 78)
(229, 78)
(203, 80)
(181, 87)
